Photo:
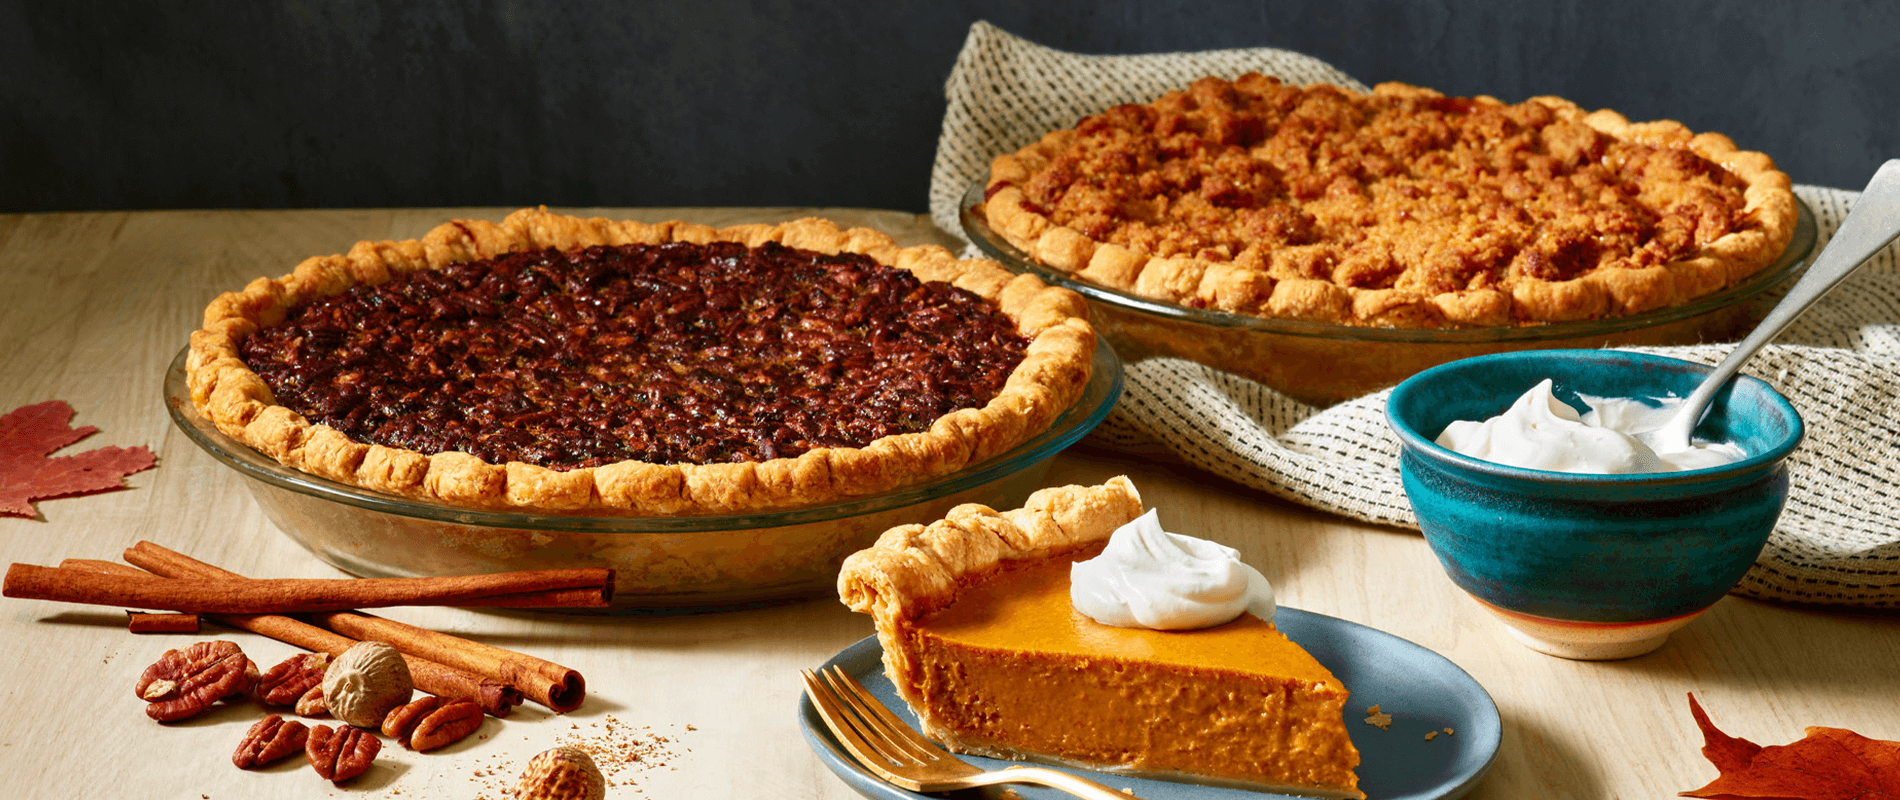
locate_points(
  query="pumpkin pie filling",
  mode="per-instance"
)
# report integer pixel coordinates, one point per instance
(995, 656)
(982, 641)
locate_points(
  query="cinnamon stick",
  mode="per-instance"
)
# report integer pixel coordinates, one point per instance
(557, 687)
(148, 622)
(289, 595)
(495, 697)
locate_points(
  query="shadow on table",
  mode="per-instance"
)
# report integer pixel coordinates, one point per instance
(1837, 648)
(820, 625)
(1557, 774)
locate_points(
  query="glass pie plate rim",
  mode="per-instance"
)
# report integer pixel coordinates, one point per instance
(1098, 397)
(1786, 266)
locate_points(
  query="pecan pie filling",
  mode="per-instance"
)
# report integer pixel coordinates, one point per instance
(676, 353)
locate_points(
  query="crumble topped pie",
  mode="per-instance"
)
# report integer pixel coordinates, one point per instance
(558, 364)
(1398, 208)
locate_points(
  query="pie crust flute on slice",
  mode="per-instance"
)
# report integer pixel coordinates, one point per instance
(979, 637)
(230, 391)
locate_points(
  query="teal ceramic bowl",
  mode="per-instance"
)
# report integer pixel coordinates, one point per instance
(1592, 566)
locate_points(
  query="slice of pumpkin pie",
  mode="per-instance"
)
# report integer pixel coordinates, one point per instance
(982, 639)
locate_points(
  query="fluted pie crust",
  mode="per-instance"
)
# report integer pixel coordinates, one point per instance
(230, 394)
(1520, 214)
(979, 638)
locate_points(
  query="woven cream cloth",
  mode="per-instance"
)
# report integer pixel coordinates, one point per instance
(1838, 542)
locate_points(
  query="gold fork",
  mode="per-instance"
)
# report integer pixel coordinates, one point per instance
(885, 745)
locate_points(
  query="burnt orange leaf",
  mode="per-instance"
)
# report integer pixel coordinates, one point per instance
(29, 471)
(1726, 752)
(1828, 764)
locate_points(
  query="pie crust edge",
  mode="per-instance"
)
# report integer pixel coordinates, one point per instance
(1050, 378)
(913, 570)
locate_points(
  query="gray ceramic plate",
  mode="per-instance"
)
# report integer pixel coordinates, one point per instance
(1422, 690)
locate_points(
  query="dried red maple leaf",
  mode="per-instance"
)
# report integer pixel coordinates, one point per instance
(1828, 764)
(29, 471)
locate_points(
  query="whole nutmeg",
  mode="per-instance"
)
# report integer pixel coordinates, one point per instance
(365, 682)
(564, 773)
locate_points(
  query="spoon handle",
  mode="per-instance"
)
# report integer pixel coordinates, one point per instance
(1873, 222)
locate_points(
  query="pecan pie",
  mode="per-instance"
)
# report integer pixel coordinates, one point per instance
(558, 364)
(1398, 208)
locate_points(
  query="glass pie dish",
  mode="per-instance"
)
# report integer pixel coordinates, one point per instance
(680, 562)
(1322, 363)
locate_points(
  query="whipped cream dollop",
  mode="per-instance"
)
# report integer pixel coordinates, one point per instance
(1149, 578)
(1616, 436)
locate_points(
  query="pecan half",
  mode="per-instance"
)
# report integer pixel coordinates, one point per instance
(402, 719)
(312, 704)
(446, 725)
(185, 682)
(285, 683)
(342, 752)
(272, 738)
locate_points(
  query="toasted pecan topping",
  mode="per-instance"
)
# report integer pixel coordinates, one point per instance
(669, 354)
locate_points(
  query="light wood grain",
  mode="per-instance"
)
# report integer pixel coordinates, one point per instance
(96, 305)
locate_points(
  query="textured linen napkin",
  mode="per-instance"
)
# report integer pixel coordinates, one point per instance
(1837, 543)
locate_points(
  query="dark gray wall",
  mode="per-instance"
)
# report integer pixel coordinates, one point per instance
(302, 103)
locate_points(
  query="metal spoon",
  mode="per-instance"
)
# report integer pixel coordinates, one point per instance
(1870, 225)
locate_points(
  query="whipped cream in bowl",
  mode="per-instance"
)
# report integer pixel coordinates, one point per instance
(1149, 578)
(1597, 547)
(1616, 436)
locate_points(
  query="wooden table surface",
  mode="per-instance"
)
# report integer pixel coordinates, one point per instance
(93, 306)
